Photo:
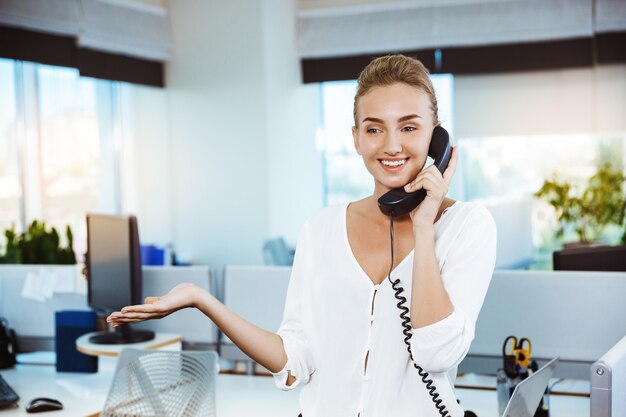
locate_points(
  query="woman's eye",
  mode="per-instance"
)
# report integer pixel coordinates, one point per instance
(373, 130)
(409, 128)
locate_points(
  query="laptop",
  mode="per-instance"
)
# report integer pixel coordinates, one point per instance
(528, 393)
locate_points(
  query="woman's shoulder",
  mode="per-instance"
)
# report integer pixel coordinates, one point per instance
(471, 215)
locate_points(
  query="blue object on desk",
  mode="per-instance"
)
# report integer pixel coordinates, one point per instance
(70, 325)
(152, 255)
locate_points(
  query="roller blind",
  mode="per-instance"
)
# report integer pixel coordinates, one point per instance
(377, 27)
(571, 101)
(125, 27)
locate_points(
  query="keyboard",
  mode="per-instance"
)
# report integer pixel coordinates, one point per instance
(7, 395)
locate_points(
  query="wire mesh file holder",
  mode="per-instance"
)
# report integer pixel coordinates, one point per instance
(163, 384)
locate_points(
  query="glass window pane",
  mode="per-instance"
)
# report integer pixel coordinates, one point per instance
(10, 188)
(69, 147)
(505, 169)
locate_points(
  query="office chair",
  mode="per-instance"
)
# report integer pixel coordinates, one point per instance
(163, 384)
(276, 252)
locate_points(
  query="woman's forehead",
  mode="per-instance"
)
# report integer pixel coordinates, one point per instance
(394, 98)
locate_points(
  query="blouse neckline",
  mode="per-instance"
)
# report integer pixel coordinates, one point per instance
(344, 226)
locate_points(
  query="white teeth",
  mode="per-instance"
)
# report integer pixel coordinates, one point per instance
(393, 163)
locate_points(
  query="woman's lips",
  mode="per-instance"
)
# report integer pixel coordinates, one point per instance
(393, 165)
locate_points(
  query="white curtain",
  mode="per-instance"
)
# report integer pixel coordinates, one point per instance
(126, 27)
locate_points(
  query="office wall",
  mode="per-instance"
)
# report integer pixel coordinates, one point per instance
(146, 161)
(295, 189)
(583, 100)
(216, 92)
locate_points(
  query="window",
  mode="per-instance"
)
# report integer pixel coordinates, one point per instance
(58, 139)
(504, 169)
(10, 189)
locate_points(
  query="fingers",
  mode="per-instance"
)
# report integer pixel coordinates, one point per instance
(120, 317)
(136, 313)
(150, 307)
(430, 179)
(434, 176)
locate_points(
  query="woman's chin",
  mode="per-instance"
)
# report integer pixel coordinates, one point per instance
(390, 185)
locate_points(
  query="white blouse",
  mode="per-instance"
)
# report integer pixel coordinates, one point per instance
(335, 318)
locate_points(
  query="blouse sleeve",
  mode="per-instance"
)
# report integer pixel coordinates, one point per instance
(466, 274)
(291, 331)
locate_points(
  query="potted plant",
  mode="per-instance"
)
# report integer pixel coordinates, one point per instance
(37, 245)
(37, 259)
(590, 210)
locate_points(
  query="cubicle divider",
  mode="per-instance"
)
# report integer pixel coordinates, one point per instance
(577, 316)
(257, 293)
(33, 320)
(30, 308)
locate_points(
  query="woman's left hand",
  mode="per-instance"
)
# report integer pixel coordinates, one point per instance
(436, 186)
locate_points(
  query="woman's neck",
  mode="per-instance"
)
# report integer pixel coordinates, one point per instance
(369, 207)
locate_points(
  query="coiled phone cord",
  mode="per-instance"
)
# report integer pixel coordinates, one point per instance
(406, 320)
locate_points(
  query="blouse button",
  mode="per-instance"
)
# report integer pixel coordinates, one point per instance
(372, 317)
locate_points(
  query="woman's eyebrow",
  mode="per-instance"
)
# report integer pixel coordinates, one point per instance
(408, 117)
(400, 120)
(372, 119)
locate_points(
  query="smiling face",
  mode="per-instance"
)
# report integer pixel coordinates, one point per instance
(394, 125)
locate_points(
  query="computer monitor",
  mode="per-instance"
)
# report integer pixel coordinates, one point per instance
(608, 383)
(114, 272)
(594, 258)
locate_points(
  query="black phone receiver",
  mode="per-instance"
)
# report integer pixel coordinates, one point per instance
(398, 202)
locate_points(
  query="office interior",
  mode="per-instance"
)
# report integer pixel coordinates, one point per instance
(215, 123)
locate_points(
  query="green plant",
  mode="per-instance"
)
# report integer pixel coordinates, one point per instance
(601, 203)
(37, 245)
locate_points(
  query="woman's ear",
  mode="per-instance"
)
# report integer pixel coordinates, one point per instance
(355, 134)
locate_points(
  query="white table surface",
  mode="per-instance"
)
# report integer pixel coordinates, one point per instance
(237, 395)
(166, 341)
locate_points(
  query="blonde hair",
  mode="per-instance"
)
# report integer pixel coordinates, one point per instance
(391, 69)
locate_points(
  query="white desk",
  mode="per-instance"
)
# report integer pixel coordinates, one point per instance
(84, 394)
(237, 395)
(166, 341)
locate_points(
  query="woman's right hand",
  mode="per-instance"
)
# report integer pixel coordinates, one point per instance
(179, 297)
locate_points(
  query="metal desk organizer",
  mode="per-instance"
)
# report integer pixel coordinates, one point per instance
(517, 366)
(163, 384)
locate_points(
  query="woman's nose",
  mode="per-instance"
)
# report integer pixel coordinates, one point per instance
(392, 144)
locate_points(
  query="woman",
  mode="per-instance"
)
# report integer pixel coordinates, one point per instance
(342, 337)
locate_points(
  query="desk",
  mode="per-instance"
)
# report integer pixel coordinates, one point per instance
(167, 341)
(237, 395)
(84, 394)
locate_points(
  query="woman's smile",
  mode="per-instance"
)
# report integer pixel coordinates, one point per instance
(393, 164)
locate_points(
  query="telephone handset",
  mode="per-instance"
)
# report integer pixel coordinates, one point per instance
(398, 202)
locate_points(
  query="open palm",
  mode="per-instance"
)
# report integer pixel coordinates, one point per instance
(179, 297)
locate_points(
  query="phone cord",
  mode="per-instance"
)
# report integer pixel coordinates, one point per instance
(406, 320)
